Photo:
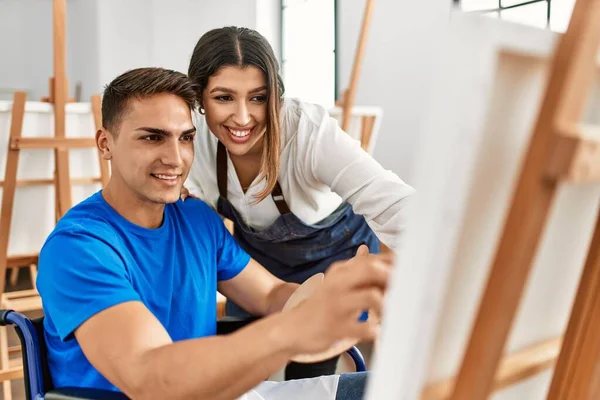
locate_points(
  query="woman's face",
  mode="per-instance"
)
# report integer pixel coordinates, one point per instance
(235, 103)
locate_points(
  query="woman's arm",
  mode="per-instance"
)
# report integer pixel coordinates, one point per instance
(337, 160)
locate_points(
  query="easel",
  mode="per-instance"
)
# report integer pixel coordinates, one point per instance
(349, 95)
(29, 300)
(560, 150)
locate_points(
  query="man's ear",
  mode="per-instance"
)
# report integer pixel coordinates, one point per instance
(104, 142)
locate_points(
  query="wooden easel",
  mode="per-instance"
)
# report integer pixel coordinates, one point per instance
(349, 95)
(561, 149)
(29, 300)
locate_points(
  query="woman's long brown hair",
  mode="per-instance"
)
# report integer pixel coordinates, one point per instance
(233, 46)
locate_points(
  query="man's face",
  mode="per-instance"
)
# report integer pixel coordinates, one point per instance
(153, 150)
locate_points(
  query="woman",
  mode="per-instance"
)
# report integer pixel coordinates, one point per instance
(301, 192)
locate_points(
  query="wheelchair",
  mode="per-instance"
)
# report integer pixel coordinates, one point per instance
(38, 382)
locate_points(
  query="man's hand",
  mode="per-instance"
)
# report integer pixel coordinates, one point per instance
(333, 312)
(363, 250)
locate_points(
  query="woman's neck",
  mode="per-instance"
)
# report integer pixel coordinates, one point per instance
(247, 166)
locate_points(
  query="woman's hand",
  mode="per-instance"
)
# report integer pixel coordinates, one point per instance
(185, 194)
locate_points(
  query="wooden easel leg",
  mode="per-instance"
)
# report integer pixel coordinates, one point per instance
(504, 288)
(61, 156)
(577, 372)
(368, 122)
(10, 182)
(14, 276)
(33, 270)
(564, 101)
(350, 93)
(4, 360)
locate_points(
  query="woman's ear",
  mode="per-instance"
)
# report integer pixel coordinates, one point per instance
(104, 143)
(201, 103)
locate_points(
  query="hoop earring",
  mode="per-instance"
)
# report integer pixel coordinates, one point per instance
(201, 111)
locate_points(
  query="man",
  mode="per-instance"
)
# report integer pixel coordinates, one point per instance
(128, 278)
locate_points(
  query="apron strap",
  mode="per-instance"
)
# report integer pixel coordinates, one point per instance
(279, 200)
(222, 170)
(277, 193)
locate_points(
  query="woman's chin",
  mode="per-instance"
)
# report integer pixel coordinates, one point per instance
(239, 149)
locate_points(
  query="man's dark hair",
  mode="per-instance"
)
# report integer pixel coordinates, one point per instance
(142, 83)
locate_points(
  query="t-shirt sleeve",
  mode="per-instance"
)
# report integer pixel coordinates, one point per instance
(231, 258)
(79, 275)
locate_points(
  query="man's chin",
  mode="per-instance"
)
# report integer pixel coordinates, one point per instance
(167, 198)
(170, 199)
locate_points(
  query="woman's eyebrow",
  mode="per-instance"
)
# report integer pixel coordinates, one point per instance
(231, 91)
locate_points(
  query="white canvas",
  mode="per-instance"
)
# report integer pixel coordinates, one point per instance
(487, 88)
(33, 210)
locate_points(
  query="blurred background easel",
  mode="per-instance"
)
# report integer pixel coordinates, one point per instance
(361, 122)
(28, 299)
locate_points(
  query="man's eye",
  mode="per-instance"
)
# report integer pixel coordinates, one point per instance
(151, 138)
(187, 138)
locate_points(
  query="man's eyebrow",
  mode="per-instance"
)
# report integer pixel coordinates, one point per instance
(156, 131)
(188, 131)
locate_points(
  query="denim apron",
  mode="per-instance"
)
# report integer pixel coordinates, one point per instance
(290, 249)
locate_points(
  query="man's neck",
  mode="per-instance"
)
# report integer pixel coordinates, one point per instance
(131, 207)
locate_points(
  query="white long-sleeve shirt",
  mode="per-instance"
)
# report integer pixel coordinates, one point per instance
(320, 167)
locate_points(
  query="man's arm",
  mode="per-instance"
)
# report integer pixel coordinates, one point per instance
(129, 346)
(257, 290)
(140, 358)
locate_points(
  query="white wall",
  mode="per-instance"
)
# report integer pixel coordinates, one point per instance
(160, 32)
(107, 37)
(83, 38)
(394, 56)
(125, 36)
(25, 46)
(268, 22)
(394, 61)
(12, 51)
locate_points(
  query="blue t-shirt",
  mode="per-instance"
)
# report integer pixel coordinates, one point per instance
(95, 259)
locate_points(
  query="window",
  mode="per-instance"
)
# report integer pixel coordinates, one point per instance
(308, 50)
(554, 15)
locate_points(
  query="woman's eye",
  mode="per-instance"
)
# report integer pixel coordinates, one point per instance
(223, 98)
(260, 99)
